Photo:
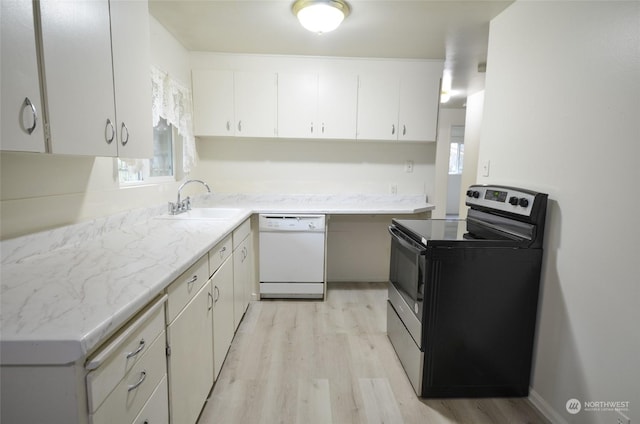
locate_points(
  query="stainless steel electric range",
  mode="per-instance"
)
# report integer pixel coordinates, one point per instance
(463, 295)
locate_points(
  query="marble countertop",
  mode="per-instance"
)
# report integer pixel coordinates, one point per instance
(64, 292)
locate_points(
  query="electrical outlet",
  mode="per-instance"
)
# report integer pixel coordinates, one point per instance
(622, 418)
(393, 188)
(408, 166)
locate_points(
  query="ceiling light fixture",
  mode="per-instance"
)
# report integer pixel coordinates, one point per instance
(320, 16)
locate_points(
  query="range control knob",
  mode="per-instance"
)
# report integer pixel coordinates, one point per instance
(476, 194)
(469, 193)
(513, 200)
(523, 202)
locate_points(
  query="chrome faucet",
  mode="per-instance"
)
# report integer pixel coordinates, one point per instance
(184, 205)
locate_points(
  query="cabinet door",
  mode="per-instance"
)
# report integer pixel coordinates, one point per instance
(298, 106)
(419, 104)
(76, 39)
(213, 102)
(337, 106)
(242, 274)
(191, 360)
(255, 106)
(238, 284)
(21, 119)
(223, 328)
(378, 100)
(132, 78)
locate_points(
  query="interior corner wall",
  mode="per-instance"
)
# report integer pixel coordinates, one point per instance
(561, 115)
(41, 191)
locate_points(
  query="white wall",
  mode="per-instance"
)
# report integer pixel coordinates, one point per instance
(312, 167)
(472, 130)
(562, 115)
(41, 191)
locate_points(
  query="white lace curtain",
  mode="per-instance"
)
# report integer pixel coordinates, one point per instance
(172, 101)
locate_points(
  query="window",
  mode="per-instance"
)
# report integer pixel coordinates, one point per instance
(456, 152)
(159, 168)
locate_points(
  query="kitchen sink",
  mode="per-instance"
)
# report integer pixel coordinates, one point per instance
(206, 214)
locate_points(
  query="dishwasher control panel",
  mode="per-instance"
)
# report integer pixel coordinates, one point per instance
(291, 222)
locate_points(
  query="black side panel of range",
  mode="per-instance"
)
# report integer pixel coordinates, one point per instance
(481, 321)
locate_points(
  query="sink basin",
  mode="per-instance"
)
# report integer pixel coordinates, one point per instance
(206, 214)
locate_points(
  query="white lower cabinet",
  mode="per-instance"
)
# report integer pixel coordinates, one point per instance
(190, 357)
(223, 328)
(155, 411)
(242, 270)
(127, 371)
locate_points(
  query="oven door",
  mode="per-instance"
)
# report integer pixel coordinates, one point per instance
(407, 269)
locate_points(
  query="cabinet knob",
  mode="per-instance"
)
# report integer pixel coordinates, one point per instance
(404, 130)
(393, 129)
(312, 128)
(228, 125)
(240, 126)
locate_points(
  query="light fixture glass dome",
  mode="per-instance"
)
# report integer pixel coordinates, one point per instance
(320, 16)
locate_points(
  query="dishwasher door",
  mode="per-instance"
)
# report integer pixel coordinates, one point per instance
(292, 256)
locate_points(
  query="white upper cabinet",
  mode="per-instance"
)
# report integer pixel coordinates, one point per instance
(213, 102)
(76, 38)
(337, 105)
(316, 98)
(132, 82)
(419, 103)
(317, 106)
(400, 105)
(79, 68)
(21, 119)
(255, 106)
(228, 103)
(297, 105)
(378, 99)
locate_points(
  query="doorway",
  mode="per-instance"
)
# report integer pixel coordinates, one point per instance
(456, 161)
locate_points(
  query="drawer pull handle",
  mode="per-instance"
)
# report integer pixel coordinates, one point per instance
(138, 350)
(224, 249)
(109, 129)
(143, 375)
(216, 294)
(124, 130)
(193, 279)
(210, 306)
(27, 104)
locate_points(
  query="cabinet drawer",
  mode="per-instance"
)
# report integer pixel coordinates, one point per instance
(118, 357)
(182, 290)
(125, 401)
(155, 411)
(218, 254)
(241, 233)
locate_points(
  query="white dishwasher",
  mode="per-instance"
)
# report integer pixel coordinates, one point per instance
(292, 256)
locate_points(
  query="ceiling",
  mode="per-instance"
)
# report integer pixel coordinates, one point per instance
(453, 31)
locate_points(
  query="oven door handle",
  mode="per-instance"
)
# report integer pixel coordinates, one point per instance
(413, 246)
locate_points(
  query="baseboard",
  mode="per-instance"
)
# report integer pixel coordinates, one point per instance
(550, 414)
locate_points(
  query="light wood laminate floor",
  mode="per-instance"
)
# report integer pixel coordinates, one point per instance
(326, 362)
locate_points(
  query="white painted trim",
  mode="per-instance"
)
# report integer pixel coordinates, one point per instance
(544, 408)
